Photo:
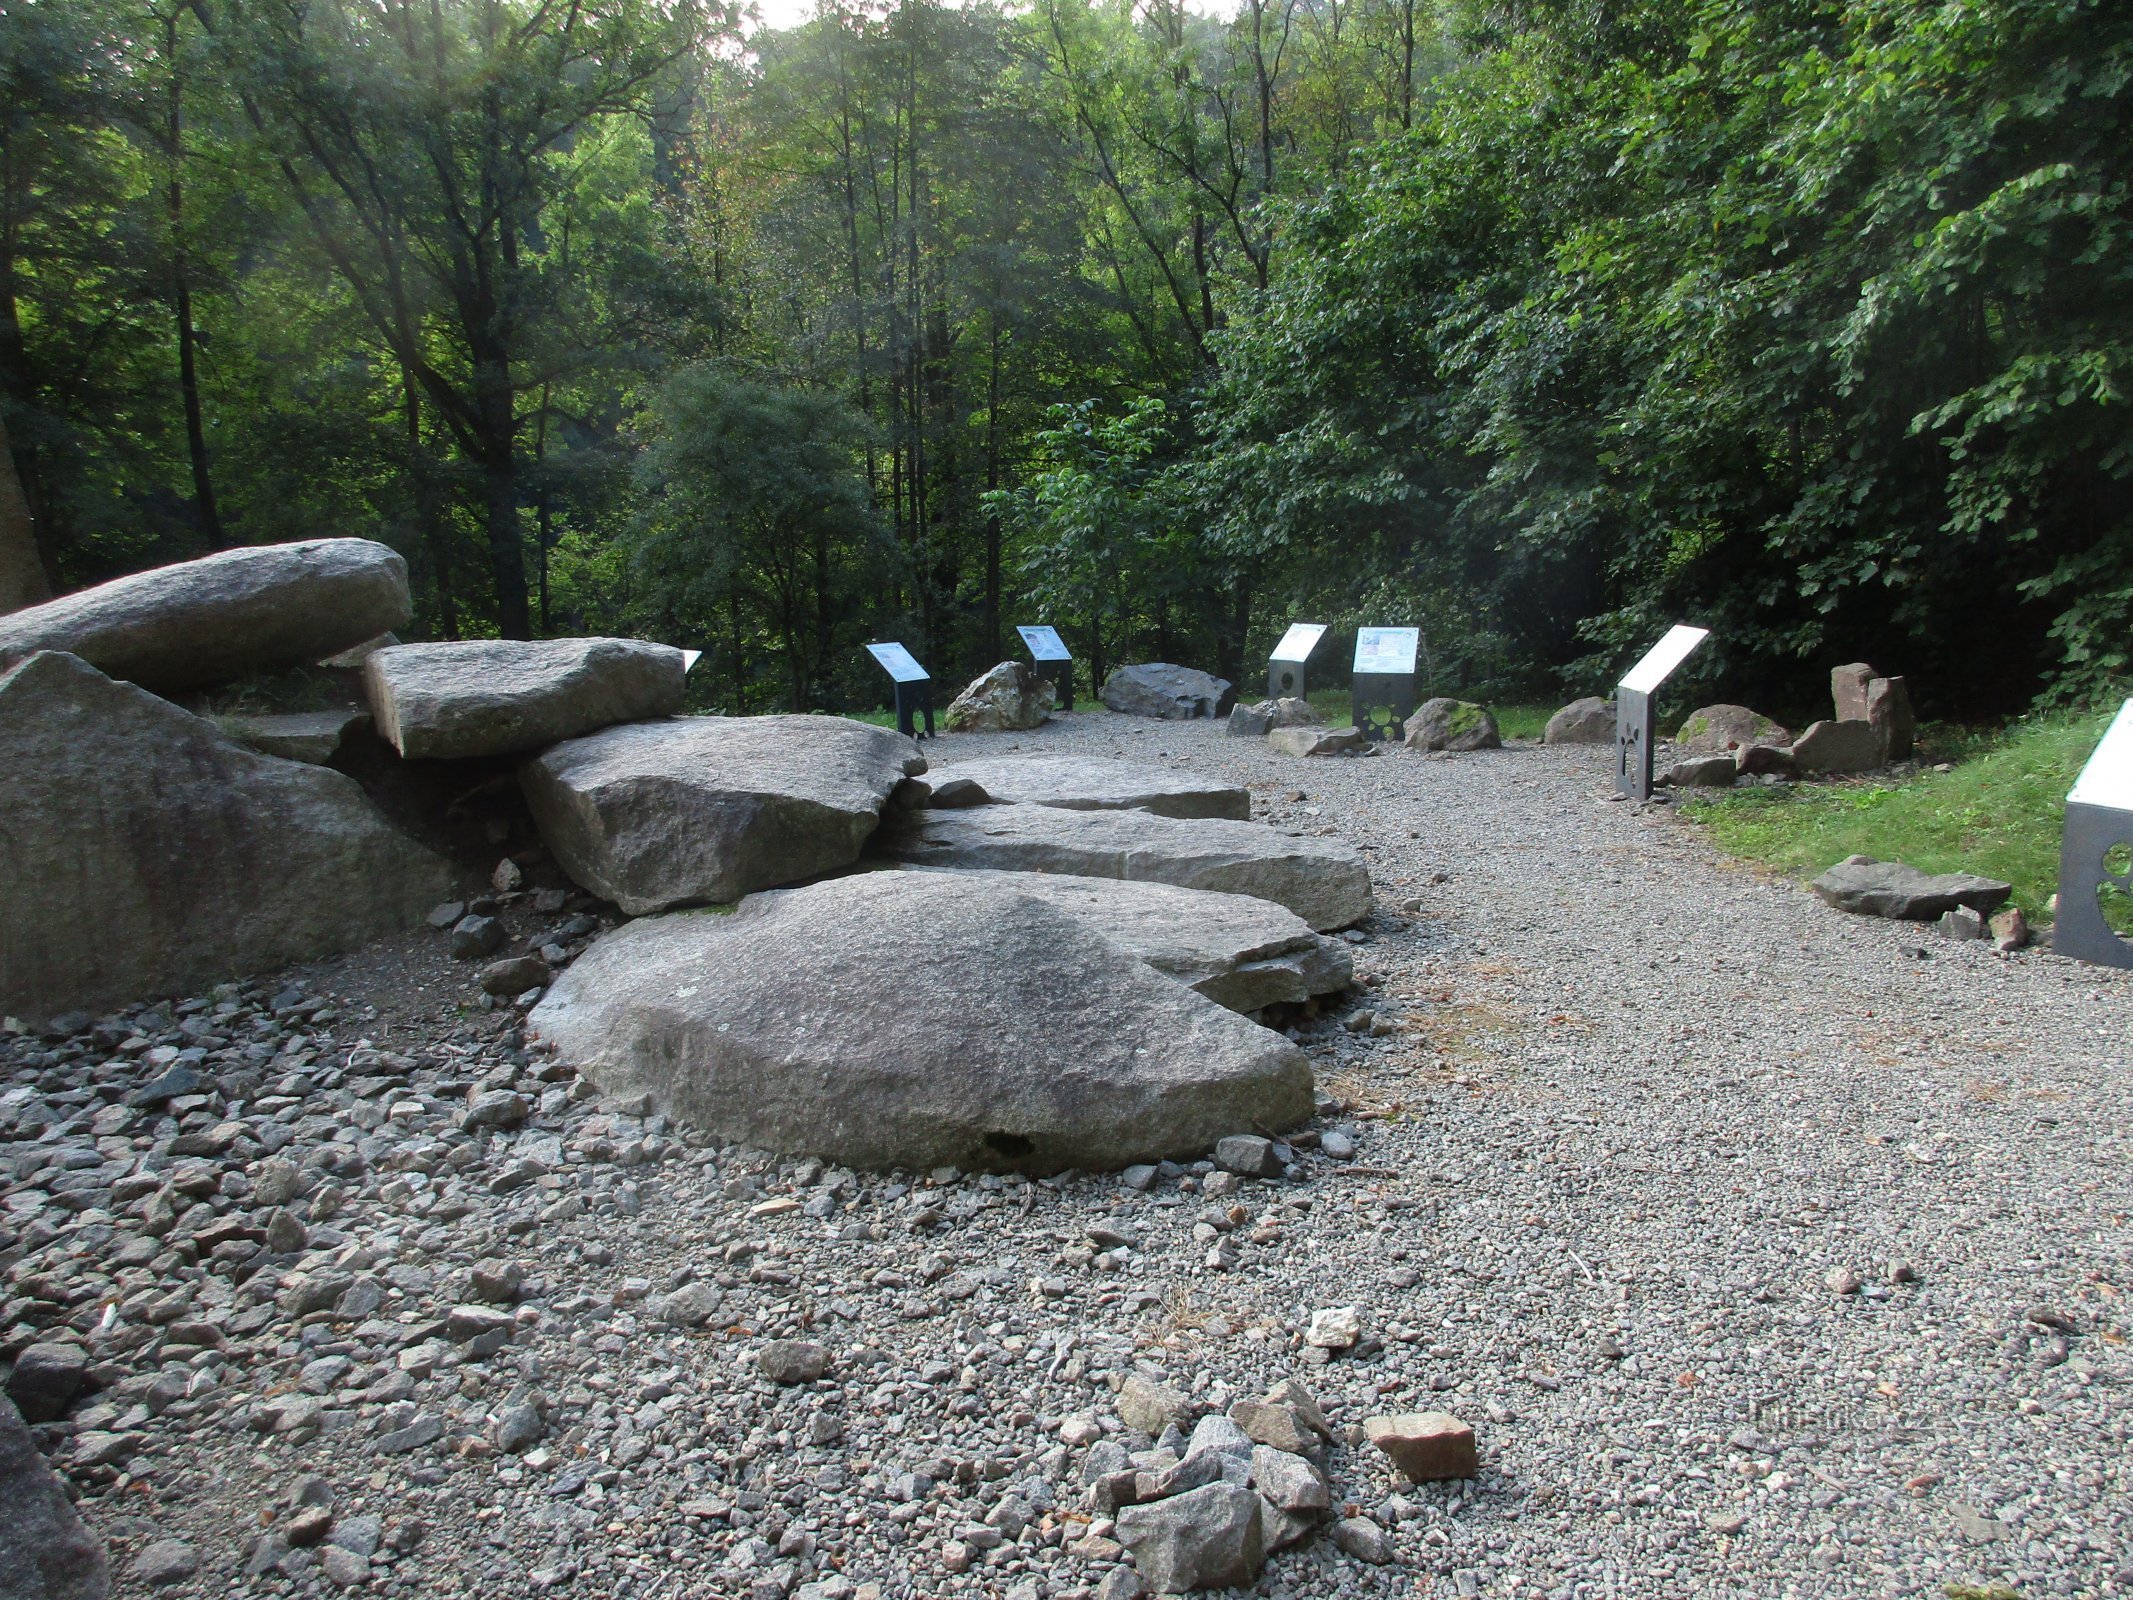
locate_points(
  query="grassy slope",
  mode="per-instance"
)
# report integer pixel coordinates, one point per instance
(1998, 812)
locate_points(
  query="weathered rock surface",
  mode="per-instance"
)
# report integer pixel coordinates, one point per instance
(1752, 760)
(1446, 724)
(1306, 741)
(1714, 730)
(1322, 880)
(1589, 720)
(143, 851)
(45, 1551)
(1892, 889)
(308, 736)
(1262, 717)
(917, 1020)
(1703, 772)
(1009, 697)
(486, 697)
(1207, 1538)
(1427, 1446)
(1837, 747)
(1091, 783)
(1888, 708)
(1159, 689)
(1847, 690)
(695, 809)
(1242, 953)
(255, 609)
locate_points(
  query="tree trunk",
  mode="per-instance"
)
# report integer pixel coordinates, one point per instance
(22, 575)
(499, 472)
(181, 300)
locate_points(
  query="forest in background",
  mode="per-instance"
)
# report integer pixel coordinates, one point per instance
(1541, 324)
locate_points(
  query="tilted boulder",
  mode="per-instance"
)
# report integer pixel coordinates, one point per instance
(694, 809)
(1838, 747)
(1715, 730)
(256, 609)
(1094, 783)
(1888, 708)
(1317, 741)
(1323, 881)
(1261, 718)
(143, 852)
(1244, 954)
(1445, 724)
(1847, 690)
(1012, 696)
(1704, 772)
(1891, 889)
(1590, 720)
(46, 1553)
(902, 1019)
(1160, 689)
(489, 697)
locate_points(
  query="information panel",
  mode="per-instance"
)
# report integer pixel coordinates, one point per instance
(1298, 643)
(2108, 778)
(1386, 650)
(898, 663)
(1660, 661)
(1045, 644)
(689, 658)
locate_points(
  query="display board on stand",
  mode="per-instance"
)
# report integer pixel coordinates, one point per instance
(914, 687)
(1633, 707)
(1383, 694)
(1054, 661)
(1285, 667)
(2096, 851)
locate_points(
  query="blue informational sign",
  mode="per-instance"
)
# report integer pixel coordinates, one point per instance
(899, 663)
(1045, 644)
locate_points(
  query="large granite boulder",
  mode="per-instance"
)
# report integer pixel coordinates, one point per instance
(1262, 717)
(1159, 689)
(1010, 697)
(905, 1019)
(1095, 783)
(1322, 880)
(257, 609)
(491, 697)
(1242, 953)
(1716, 730)
(143, 852)
(1590, 720)
(1891, 889)
(1838, 747)
(707, 809)
(1446, 724)
(46, 1553)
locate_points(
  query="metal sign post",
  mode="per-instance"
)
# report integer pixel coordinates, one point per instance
(2096, 850)
(1383, 695)
(1285, 667)
(914, 687)
(1633, 707)
(1053, 660)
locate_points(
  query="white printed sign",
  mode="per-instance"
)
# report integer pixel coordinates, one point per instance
(1298, 643)
(1045, 644)
(1386, 650)
(898, 663)
(2108, 778)
(1660, 661)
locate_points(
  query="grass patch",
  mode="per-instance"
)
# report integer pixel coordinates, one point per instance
(1998, 811)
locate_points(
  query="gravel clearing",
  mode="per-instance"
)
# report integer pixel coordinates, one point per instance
(1768, 1251)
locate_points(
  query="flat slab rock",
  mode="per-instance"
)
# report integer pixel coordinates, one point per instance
(146, 853)
(311, 736)
(1891, 889)
(487, 697)
(1243, 954)
(198, 623)
(1323, 881)
(1091, 783)
(691, 810)
(902, 1019)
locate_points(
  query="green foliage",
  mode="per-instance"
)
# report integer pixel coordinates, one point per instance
(757, 530)
(1998, 812)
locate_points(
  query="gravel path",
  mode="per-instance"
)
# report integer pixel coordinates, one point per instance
(1770, 1252)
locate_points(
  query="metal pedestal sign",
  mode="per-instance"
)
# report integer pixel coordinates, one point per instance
(2096, 851)
(1053, 660)
(914, 687)
(1383, 696)
(1285, 667)
(1633, 707)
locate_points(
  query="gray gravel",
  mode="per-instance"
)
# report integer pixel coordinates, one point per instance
(1641, 1143)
